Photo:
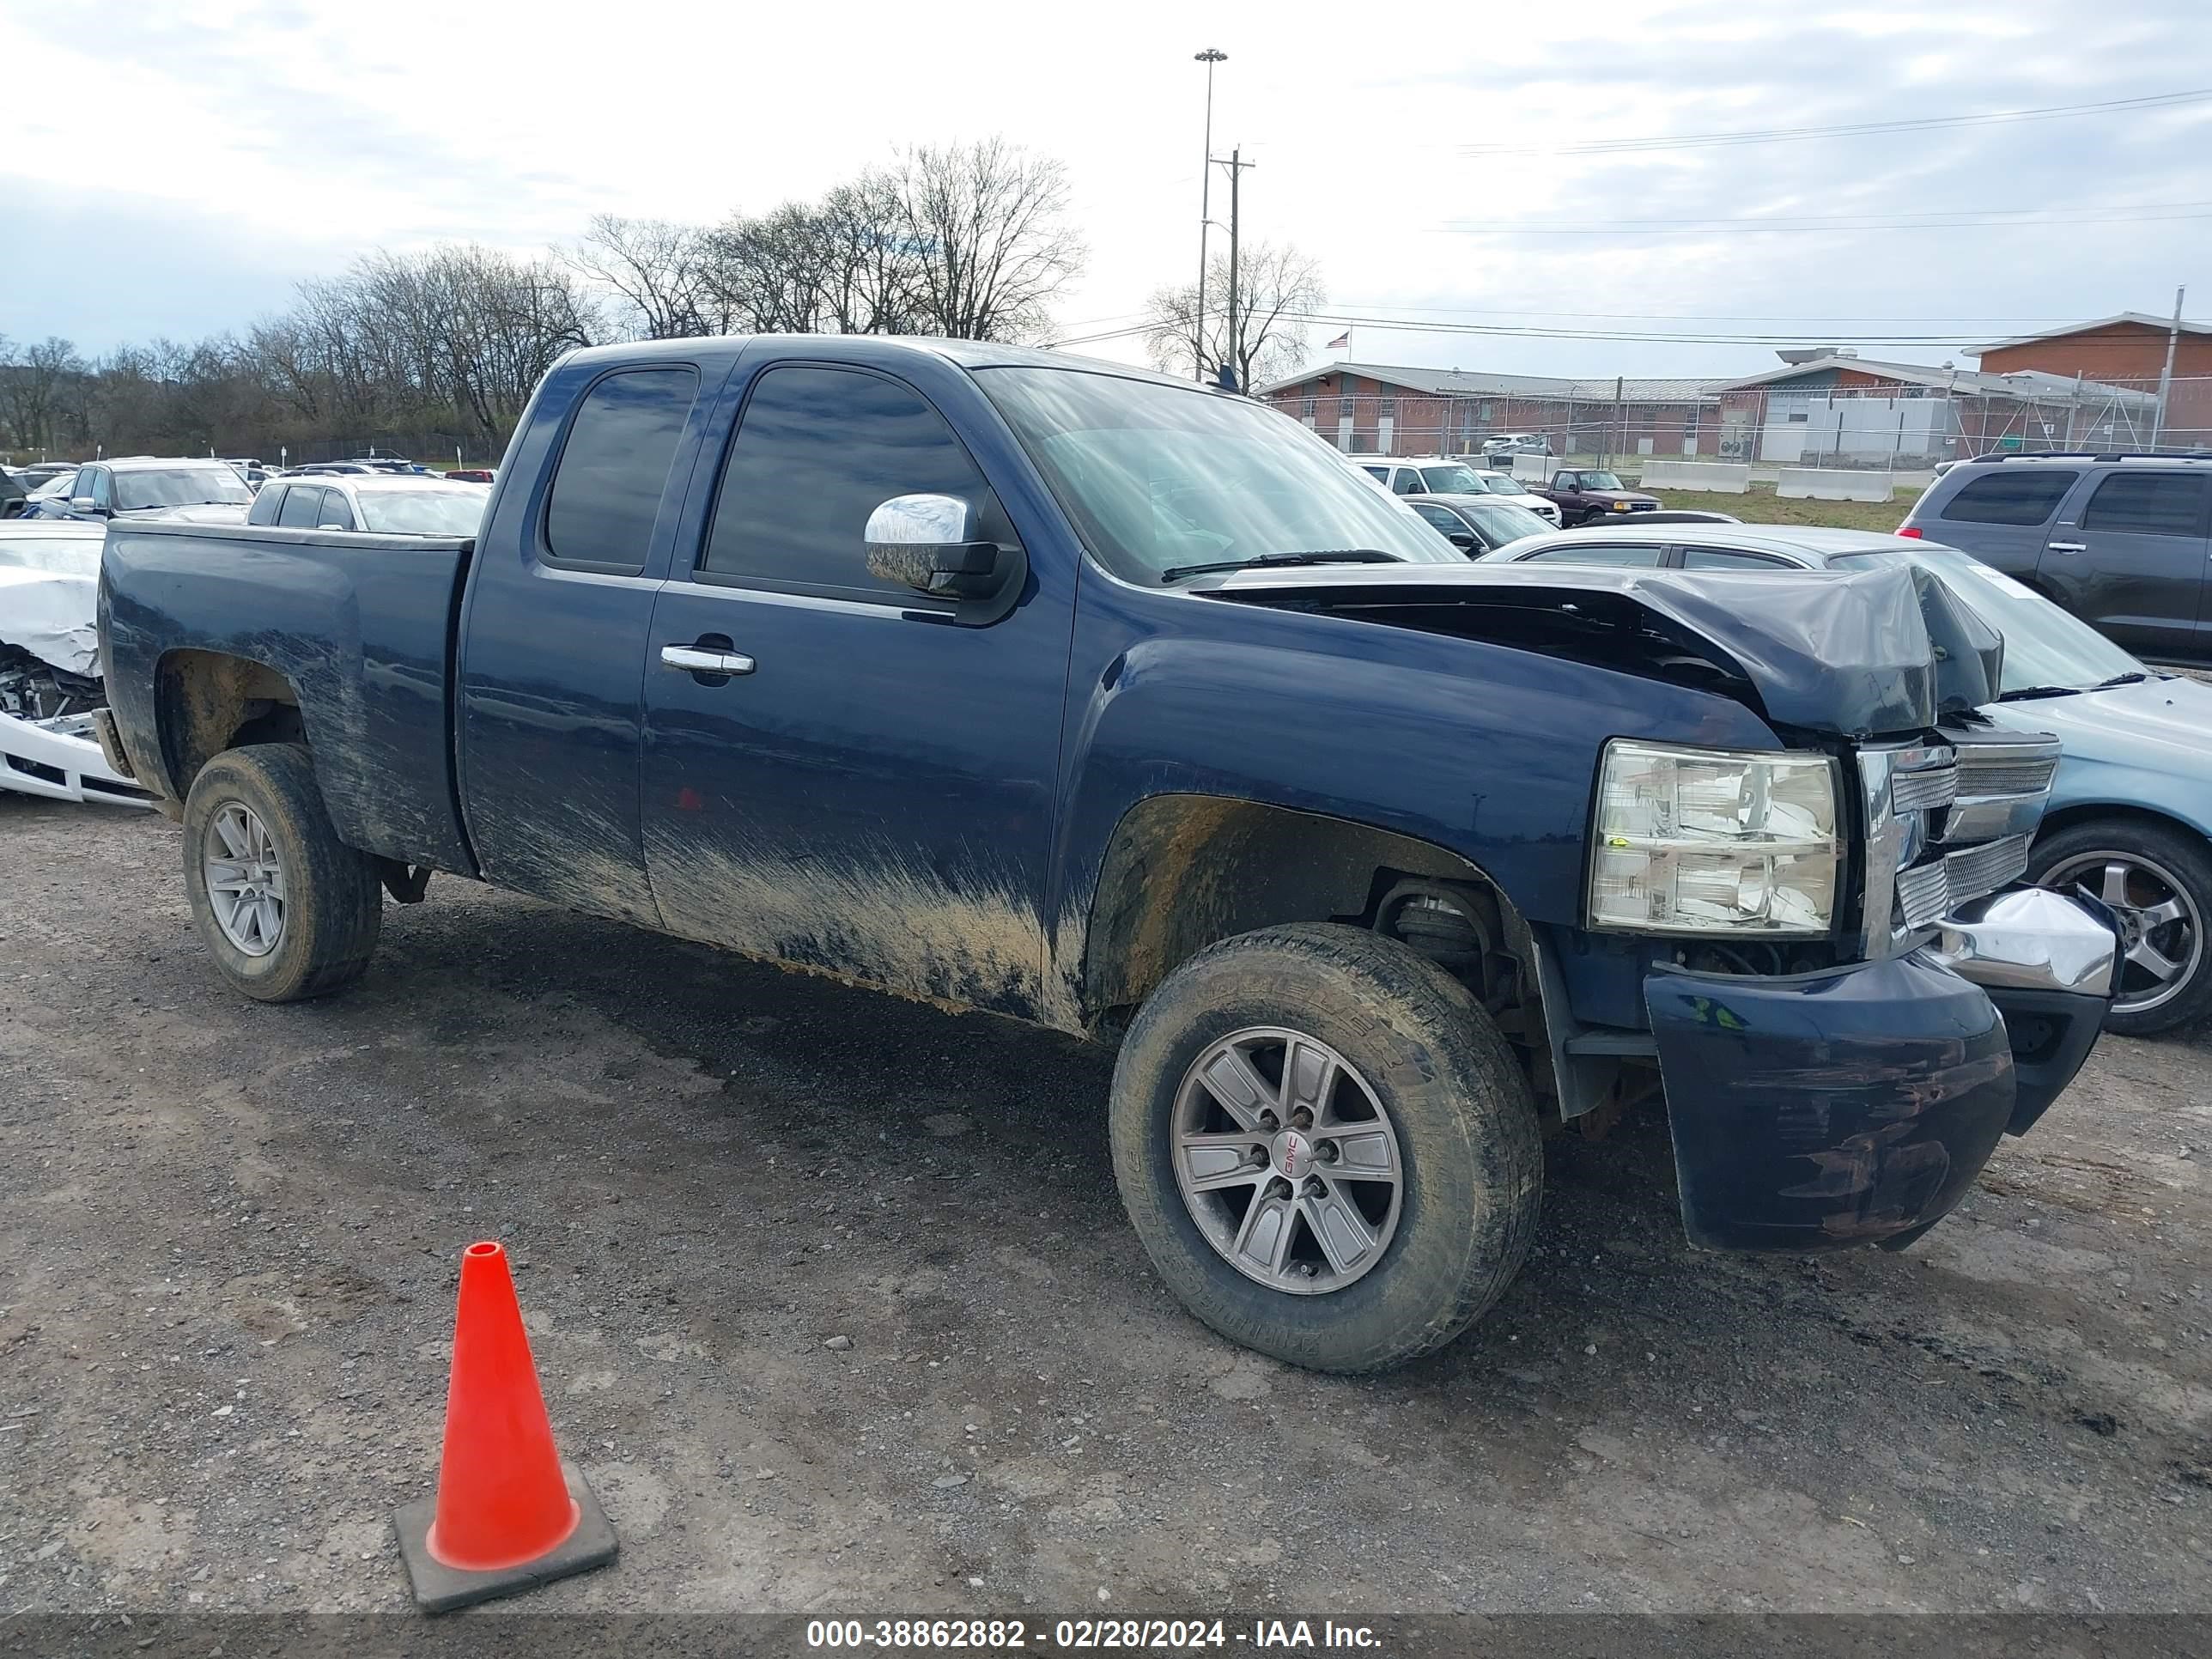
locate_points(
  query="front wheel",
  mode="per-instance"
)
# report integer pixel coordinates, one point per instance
(287, 910)
(2158, 881)
(1325, 1146)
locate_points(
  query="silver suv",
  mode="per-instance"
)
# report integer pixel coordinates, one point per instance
(2124, 542)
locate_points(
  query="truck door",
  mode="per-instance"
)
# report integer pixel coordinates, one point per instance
(553, 640)
(2137, 556)
(868, 789)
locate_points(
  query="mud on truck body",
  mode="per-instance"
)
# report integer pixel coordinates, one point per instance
(1103, 702)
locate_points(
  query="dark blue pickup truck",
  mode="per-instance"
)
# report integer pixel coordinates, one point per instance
(1050, 688)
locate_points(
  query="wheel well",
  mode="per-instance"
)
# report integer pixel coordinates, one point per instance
(206, 702)
(2067, 817)
(1183, 871)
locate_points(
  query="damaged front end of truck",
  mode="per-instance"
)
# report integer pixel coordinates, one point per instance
(1823, 950)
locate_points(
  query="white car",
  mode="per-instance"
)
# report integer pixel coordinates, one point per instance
(1435, 475)
(380, 503)
(49, 684)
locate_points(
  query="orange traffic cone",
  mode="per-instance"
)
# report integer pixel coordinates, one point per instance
(510, 1513)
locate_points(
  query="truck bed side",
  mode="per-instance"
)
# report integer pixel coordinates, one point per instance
(207, 631)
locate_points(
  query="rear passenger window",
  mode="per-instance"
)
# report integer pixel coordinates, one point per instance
(265, 505)
(817, 450)
(2010, 494)
(1721, 558)
(1596, 553)
(607, 492)
(302, 508)
(2148, 504)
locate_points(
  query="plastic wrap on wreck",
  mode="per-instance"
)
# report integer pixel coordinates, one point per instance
(1856, 653)
(49, 613)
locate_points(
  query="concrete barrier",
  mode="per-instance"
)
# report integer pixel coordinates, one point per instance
(1815, 483)
(1722, 478)
(1531, 469)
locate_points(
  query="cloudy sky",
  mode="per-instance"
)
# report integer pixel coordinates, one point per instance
(172, 169)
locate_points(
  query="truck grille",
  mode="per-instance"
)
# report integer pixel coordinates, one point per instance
(1928, 892)
(1948, 821)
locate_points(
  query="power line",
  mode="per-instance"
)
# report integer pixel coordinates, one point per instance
(1956, 219)
(1844, 129)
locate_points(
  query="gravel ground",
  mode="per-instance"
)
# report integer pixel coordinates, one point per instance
(229, 1239)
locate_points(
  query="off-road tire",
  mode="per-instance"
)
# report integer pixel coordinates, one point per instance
(333, 901)
(1464, 1117)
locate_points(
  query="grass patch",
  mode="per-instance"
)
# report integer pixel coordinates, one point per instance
(1763, 506)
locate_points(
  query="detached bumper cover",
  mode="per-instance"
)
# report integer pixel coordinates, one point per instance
(1856, 1105)
(60, 760)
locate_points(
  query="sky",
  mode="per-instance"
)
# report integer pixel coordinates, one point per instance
(175, 169)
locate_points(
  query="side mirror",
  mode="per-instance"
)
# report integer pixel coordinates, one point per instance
(1462, 540)
(86, 504)
(928, 543)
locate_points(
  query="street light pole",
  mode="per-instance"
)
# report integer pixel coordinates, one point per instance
(1209, 58)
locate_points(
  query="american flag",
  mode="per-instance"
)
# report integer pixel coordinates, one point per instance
(1341, 343)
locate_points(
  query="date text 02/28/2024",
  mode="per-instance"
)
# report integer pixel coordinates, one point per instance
(1002, 1635)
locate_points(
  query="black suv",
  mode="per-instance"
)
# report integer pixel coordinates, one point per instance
(2124, 542)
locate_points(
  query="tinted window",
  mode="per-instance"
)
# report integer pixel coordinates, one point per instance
(818, 450)
(2148, 504)
(2010, 494)
(93, 482)
(1406, 482)
(266, 503)
(302, 508)
(606, 492)
(1596, 553)
(1441, 517)
(1718, 558)
(338, 512)
(1380, 474)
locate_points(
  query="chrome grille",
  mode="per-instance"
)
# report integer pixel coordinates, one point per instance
(1928, 892)
(1915, 792)
(2003, 777)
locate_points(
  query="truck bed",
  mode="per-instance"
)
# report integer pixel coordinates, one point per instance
(360, 627)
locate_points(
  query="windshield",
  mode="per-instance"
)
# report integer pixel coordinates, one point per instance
(424, 512)
(1599, 481)
(179, 486)
(74, 555)
(1155, 478)
(1498, 484)
(2043, 645)
(1501, 522)
(1453, 480)
(62, 483)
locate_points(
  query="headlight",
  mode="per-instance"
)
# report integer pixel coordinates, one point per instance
(1709, 841)
(1621, 507)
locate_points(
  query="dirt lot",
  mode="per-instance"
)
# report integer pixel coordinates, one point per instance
(1762, 506)
(228, 1237)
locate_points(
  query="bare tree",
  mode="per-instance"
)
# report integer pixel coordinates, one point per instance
(34, 383)
(1276, 288)
(985, 224)
(658, 271)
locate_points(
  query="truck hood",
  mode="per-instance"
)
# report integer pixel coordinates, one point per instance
(1852, 654)
(49, 613)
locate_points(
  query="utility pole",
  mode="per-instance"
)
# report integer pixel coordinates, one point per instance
(1233, 354)
(1209, 58)
(2166, 374)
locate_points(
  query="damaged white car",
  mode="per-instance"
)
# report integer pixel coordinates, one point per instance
(49, 681)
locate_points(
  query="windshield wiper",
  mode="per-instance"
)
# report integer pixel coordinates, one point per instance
(1283, 561)
(2027, 691)
(2133, 678)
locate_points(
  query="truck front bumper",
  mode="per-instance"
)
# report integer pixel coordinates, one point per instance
(1856, 1105)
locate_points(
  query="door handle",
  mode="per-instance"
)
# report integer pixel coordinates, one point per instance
(696, 659)
(2066, 547)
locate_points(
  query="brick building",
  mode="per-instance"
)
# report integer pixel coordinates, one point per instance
(1377, 409)
(2126, 350)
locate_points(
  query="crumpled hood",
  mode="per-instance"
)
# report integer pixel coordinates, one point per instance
(49, 613)
(200, 513)
(1854, 653)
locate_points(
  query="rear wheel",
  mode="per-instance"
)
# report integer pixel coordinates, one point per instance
(2158, 881)
(1325, 1146)
(287, 910)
